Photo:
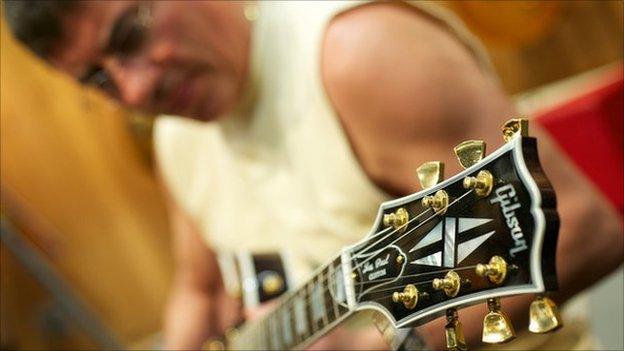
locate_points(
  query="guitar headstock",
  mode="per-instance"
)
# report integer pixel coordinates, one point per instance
(485, 233)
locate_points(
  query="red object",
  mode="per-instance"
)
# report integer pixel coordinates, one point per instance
(590, 128)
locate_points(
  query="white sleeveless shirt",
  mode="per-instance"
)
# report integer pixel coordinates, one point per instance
(278, 173)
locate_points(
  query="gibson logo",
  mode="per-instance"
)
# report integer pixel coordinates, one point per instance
(508, 201)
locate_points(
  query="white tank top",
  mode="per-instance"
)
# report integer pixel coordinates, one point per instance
(278, 173)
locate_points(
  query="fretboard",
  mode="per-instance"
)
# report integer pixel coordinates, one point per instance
(302, 316)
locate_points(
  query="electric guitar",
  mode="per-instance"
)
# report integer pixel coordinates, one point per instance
(486, 233)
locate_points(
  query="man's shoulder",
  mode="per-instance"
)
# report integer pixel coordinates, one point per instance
(395, 60)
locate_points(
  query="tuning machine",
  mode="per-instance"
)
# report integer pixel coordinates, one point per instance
(430, 173)
(544, 316)
(497, 327)
(451, 283)
(409, 297)
(515, 126)
(469, 152)
(397, 219)
(453, 331)
(495, 270)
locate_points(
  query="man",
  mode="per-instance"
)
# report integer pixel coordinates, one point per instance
(318, 112)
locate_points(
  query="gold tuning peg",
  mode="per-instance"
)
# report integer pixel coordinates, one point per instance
(496, 270)
(543, 315)
(409, 296)
(470, 152)
(454, 332)
(482, 183)
(430, 173)
(497, 327)
(450, 284)
(514, 126)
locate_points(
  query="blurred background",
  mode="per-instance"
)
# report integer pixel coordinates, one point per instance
(85, 256)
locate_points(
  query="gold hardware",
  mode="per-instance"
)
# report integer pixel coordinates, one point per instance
(470, 152)
(409, 296)
(513, 126)
(482, 183)
(272, 284)
(544, 316)
(450, 284)
(400, 259)
(497, 327)
(354, 276)
(398, 220)
(496, 270)
(213, 345)
(439, 201)
(454, 332)
(430, 173)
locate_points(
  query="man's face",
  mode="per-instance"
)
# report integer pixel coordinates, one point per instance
(182, 58)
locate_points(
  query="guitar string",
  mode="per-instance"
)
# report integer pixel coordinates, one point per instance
(325, 277)
(422, 282)
(411, 230)
(417, 274)
(329, 305)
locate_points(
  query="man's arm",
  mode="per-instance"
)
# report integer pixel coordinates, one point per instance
(407, 91)
(198, 306)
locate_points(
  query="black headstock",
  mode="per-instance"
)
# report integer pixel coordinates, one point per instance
(428, 251)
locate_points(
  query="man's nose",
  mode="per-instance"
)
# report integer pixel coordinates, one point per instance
(134, 79)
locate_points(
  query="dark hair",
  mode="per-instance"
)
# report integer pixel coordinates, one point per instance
(37, 23)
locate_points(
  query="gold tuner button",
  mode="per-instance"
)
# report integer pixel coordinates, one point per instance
(496, 270)
(430, 173)
(400, 259)
(454, 332)
(438, 202)
(544, 316)
(470, 152)
(450, 284)
(398, 219)
(409, 296)
(482, 183)
(272, 284)
(497, 327)
(515, 126)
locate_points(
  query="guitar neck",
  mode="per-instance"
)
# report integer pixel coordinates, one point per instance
(302, 316)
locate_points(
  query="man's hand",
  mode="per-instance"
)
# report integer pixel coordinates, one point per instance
(199, 308)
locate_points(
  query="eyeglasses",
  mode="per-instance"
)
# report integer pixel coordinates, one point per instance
(128, 35)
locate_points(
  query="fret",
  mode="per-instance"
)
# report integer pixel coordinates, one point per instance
(333, 289)
(308, 305)
(337, 289)
(324, 281)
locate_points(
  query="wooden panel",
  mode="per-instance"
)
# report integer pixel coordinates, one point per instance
(69, 160)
